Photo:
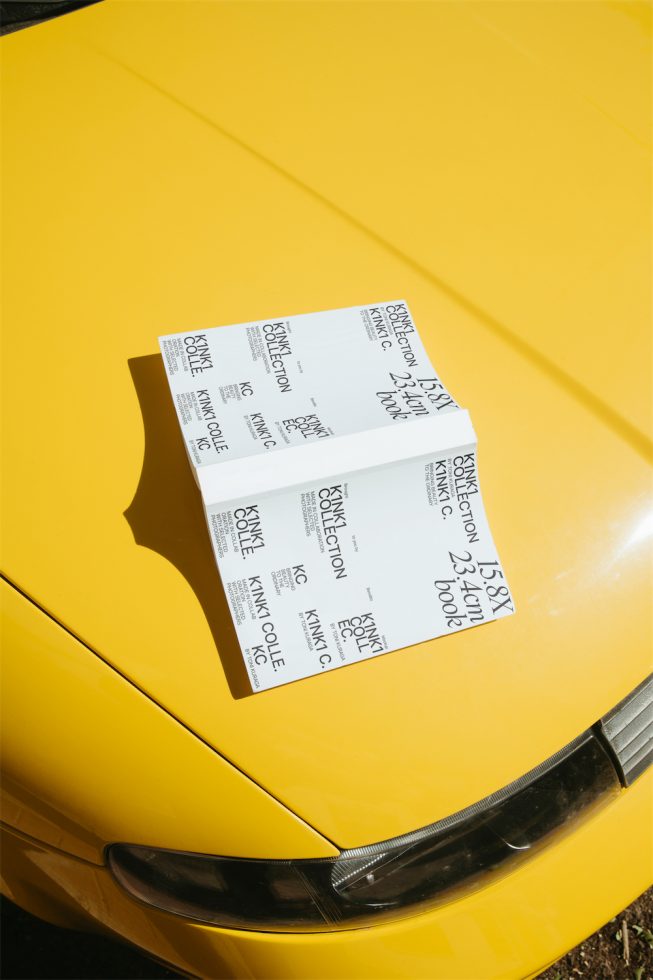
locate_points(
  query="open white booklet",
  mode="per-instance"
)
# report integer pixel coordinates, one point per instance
(340, 487)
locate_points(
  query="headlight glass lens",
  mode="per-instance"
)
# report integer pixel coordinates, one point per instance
(396, 877)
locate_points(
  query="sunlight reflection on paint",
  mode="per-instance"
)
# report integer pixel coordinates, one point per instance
(643, 530)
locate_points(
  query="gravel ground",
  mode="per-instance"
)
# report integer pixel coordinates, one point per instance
(621, 950)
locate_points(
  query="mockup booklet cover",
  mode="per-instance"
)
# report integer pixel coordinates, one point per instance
(340, 486)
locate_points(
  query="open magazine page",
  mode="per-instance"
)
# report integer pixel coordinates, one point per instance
(340, 486)
(258, 387)
(355, 566)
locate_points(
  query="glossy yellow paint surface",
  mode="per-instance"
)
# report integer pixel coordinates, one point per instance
(87, 759)
(186, 165)
(509, 930)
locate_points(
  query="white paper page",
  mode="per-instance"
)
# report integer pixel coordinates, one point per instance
(348, 568)
(258, 387)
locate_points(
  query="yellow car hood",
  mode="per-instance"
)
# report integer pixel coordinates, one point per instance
(171, 166)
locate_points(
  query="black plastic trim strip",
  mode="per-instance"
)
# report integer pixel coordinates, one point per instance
(17, 15)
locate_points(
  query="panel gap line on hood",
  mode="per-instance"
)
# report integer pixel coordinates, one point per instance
(613, 420)
(160, 706)
(30, 839)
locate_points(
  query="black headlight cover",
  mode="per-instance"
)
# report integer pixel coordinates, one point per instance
(394, 878)
(17, 14)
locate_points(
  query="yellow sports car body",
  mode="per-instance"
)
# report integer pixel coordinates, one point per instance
(469, 807)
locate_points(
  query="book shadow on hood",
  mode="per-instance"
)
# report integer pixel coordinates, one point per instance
(166, 514)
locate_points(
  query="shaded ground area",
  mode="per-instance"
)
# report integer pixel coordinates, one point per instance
(33, 949)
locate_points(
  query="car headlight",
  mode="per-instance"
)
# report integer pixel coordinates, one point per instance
(628, 730)
(406, 874)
